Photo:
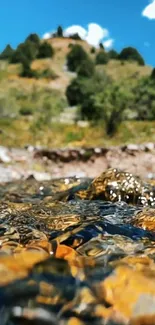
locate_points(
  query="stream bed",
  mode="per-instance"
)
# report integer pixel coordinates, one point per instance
(77, 251)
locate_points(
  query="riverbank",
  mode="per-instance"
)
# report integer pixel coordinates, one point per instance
(45, 164)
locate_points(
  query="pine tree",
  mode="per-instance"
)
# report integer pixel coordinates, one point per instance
(7, 53)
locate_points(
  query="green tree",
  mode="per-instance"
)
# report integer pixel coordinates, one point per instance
(27, 72)
(74, 92)
(102, 58)
(27, 49)
(33, 38)
(144, 99)
(75, 57)
(153, 74)
(18, 56)
(45, 51)
(131, 54)
(7, 53)
(112, 103)
(59, 31)
(86, 68)
(80, 89)
(113, 55)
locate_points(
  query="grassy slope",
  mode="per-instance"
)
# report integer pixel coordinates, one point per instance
(13, 133)
(20, 132)
(114, 68)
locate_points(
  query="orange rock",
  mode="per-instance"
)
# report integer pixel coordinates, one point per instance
(18, 266)
(137, 262)
(145, 219)
(75, 321)
(129, 292)
(29, 259)
(48, 300)
(65, 252)
(144, 320)
(39, 245)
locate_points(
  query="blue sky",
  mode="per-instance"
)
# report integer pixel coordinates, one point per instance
(123, 20)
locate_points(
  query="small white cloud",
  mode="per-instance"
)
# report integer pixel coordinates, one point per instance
(108, 44)
(46, 35)
(149, 11)
(94, 34)
(146, 44)
(75, 29)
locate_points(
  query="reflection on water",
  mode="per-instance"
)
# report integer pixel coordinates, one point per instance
(70, 249)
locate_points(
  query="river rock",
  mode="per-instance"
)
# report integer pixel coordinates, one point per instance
(4, 155)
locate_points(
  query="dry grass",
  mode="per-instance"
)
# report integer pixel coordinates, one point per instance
(127, 70)
(17, 133)
(114, 68)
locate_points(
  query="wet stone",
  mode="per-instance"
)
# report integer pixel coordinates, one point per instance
(115, 185)
(78, 251)
(145, 219)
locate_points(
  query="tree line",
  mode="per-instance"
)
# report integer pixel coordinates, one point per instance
(32, 48)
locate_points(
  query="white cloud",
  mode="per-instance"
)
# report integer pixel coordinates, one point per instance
(75, 29)
(46, 35)
(94, 34)
(108, 44)
(149, 11)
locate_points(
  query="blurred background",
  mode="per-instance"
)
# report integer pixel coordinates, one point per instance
(78, 80)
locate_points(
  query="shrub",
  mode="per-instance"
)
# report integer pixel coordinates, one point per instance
(70, 45)
(102, 58)
(93, 50)
(45, 51)
(86, 68)
(48, 74)
(26, 111)
(7, 53)
(131, 54)
(27, 71)
(75, 57)
(75, 37)
(113, 55)
(89, 110)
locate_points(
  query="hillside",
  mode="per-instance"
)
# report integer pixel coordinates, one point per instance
(9, 73)
(25, 103)
(115, 69)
